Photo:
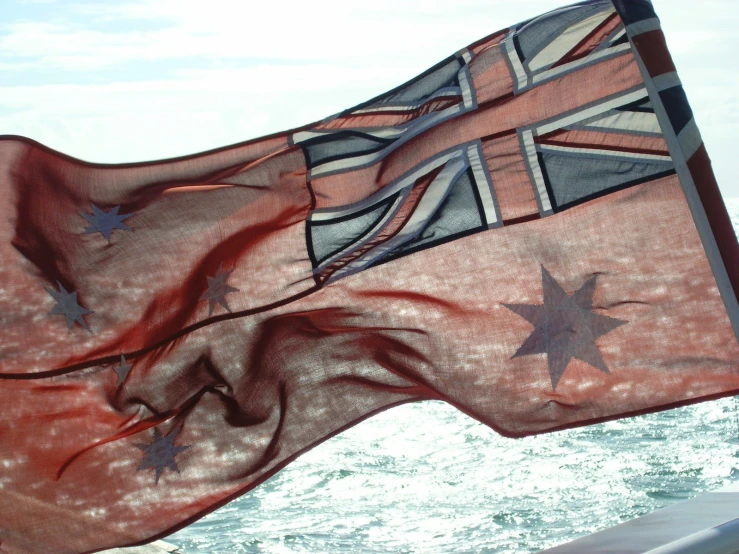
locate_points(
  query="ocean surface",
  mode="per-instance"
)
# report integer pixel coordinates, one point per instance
(425, 478)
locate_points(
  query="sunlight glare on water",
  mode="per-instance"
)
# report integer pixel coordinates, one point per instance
(425, 478)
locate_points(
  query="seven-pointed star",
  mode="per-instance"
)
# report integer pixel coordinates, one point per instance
(160, 453)
(66, 304)
(565, 327)
(122, 370)
(217, 290)
(105, 222)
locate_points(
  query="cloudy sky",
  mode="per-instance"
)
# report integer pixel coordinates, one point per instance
(135, 80)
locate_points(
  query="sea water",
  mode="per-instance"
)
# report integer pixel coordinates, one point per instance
(425, 478)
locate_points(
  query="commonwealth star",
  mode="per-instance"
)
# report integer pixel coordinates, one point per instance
(565, 327)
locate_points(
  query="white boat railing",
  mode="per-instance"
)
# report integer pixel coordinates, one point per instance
(707, 524)
(156, 547)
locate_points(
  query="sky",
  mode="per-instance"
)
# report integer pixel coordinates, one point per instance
(136, 80)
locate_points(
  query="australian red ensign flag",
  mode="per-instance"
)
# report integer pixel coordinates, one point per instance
(530, 230)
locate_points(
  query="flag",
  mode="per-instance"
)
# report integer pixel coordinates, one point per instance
(530, 230)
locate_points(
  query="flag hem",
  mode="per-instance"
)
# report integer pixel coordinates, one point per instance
(705, 201)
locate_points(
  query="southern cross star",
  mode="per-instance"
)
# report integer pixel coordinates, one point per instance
(218, 289)
(105, 222)
(122, 370)
(565, 327)
(66, 304)
(160, 453)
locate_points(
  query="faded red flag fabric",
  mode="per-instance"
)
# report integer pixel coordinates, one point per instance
(530, 230)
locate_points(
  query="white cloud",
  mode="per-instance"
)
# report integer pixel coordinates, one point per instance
(201, 109)
(228, 29)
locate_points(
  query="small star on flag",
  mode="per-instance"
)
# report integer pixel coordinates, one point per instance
(67, 306)
(105, 222)
(218, 289)
(160, 453)
(122, 370)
